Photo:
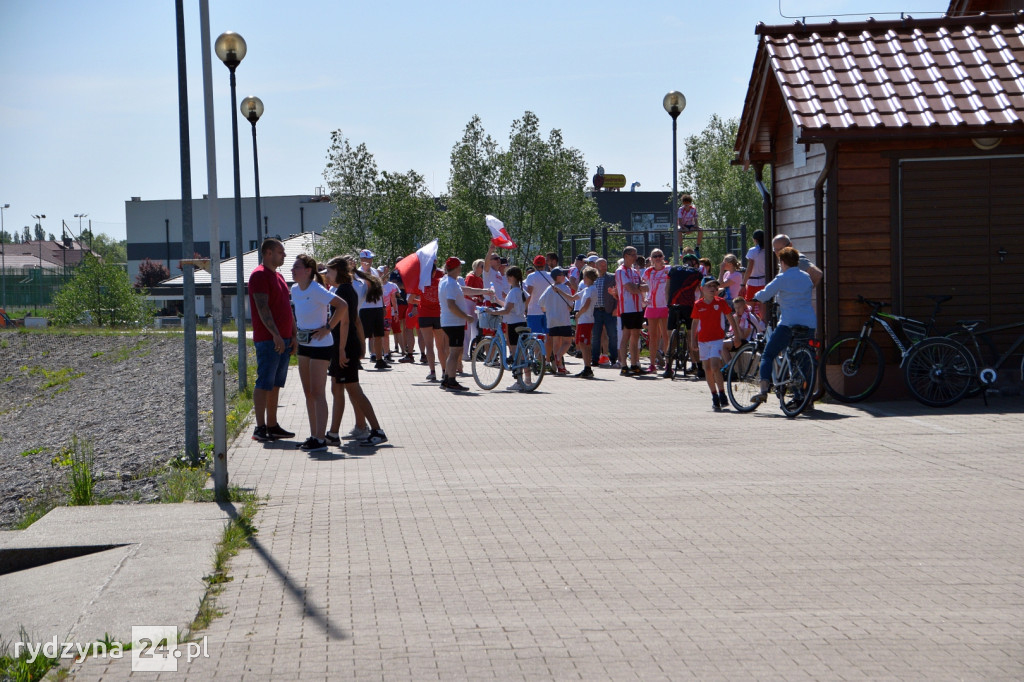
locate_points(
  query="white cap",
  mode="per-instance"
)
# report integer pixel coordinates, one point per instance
(593, 259)
(366, 253)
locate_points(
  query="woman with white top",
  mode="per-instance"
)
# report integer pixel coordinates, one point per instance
(312, 303)
(754, 277)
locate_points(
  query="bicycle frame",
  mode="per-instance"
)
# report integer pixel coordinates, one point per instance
(988, 374)
(519, 361)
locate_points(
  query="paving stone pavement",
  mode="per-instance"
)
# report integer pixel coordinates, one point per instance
(620, 529)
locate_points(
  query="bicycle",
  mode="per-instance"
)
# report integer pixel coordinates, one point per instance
(942, 371)
(793, 372)
(677, 351)
(490, 355)
(859, 358)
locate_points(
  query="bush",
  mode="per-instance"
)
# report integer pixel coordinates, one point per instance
(103, 294)
(151, 273)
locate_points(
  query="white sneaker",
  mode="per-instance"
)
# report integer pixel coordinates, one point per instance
(357, 433)
(517, 388)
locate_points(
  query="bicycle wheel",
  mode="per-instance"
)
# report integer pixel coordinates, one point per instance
(487, 364)
(939, 372)
(534, 353)
(853, 368)
(989, 356)
(742, 381)
(797, 389)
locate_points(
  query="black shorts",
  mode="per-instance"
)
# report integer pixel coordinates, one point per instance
(349, 374)
(512, 334)
(679, 313)
(316, 352)
(632, 320)
(430, 322)
(456, 336)
(373, 322)
(560, 331)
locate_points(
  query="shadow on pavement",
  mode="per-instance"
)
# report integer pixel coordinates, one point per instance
(300, 596)
(997, 405)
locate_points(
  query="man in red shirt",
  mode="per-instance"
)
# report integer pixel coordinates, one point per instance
(272, 330)
(710, 314)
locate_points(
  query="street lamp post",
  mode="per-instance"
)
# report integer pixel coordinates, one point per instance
(39, 221)
(230, 48)
(80, 216)
(674, 103)
(3, 258)
(252, 109)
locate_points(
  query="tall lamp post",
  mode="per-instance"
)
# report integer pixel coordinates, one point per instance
(674, 103)
(39, 221)
(3, 257)
(252, 109)
(230, 49)
(80, 216)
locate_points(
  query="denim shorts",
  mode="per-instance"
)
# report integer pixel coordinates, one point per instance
(271, 366)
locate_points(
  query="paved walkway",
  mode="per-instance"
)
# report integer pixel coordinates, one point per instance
(619, 529)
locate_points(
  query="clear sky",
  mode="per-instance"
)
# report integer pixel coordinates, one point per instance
(89, 107)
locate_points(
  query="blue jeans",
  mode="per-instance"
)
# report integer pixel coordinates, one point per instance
(776, 344)
(271, 366)
(604, 321)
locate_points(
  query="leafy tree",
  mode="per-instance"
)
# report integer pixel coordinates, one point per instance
(725, 194)
(404, 215)
(112, 250)
(17, 238)
(51, 238)
(5, 237)
(151, 273)
(472, 188)
(351, 176)
(40, 233)
(104, 291)
(26, 235)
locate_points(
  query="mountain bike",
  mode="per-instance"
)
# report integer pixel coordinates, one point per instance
(490, 355)
(859, 358)
(793, 372)
(942, 371)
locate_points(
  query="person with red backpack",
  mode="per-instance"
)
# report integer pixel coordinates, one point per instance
(683, 289)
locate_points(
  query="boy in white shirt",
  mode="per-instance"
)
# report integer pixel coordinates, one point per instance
(558, 319)
(584, 298)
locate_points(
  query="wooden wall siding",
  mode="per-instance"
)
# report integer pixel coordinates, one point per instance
(793, 189)
(863, 232)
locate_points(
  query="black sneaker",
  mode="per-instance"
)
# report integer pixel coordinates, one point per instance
(276, 432)
(444, 384)
(668, 374)
(373, 357)
(313, 445)
(723, 401)
(375, 438)
(332, 438)
(454, 385)
(585, 373)
(380, 364)
(260, 434)
(714, 403)
(406, 359)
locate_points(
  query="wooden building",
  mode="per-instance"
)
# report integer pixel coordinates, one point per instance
(896, 151)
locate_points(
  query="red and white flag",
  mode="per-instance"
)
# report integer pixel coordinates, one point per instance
(417, 268)
(499, 235)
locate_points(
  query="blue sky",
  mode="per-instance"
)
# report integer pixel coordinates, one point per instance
(88, 91)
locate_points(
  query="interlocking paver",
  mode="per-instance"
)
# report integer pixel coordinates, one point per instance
(620, 529)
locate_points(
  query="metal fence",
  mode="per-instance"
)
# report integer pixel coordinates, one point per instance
(715, 243)
(31, 288)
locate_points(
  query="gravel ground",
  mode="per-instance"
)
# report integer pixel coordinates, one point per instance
(123, 393)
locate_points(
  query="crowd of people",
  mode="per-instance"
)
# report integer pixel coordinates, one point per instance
(338, 312)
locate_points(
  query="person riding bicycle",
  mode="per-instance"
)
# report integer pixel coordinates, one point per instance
(793, 290)
(683, 289)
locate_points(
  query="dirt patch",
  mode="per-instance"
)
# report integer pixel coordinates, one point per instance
(124, 393)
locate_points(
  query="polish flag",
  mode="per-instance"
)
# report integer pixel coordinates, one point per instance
(499, 235)
(417, 268)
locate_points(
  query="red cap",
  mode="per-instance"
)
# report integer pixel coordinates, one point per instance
(540, 261)
(452, 263)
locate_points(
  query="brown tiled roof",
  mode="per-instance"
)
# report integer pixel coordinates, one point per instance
(951, 75)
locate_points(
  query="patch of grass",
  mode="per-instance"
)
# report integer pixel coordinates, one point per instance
(236, 536)
(78, 457)
(33, 451)
(182, 484)
(138, 349)
(23, 667)
(52, 377)
(96, 354)
(35, 509)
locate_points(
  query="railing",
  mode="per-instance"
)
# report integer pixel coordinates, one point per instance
(715, 242)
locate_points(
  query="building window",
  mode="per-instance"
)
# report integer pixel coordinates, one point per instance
(252, 245)
(225, 249)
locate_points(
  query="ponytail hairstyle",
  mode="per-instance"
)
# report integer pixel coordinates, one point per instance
(343, 269)
(374, 289)
(516, 273)
(310, 262)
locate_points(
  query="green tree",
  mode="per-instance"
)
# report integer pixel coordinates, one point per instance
(404, 215)
(725, 194)
(104, 292)
(351, 175)
(110, 249)
(5, 237)
(26, 234)
(39, 233)
(472, 193)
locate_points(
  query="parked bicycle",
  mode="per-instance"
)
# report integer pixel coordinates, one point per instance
(677, 351)
(490, 355)
(942, 371)
(793, 372)
(858, 358)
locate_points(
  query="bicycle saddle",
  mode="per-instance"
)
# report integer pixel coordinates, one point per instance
(969, 325)
(522, 330)
(940, 299)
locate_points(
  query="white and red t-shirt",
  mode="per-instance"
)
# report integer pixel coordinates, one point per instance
(712, 318)
(688, 214)
(657, 280)
(627, 302)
